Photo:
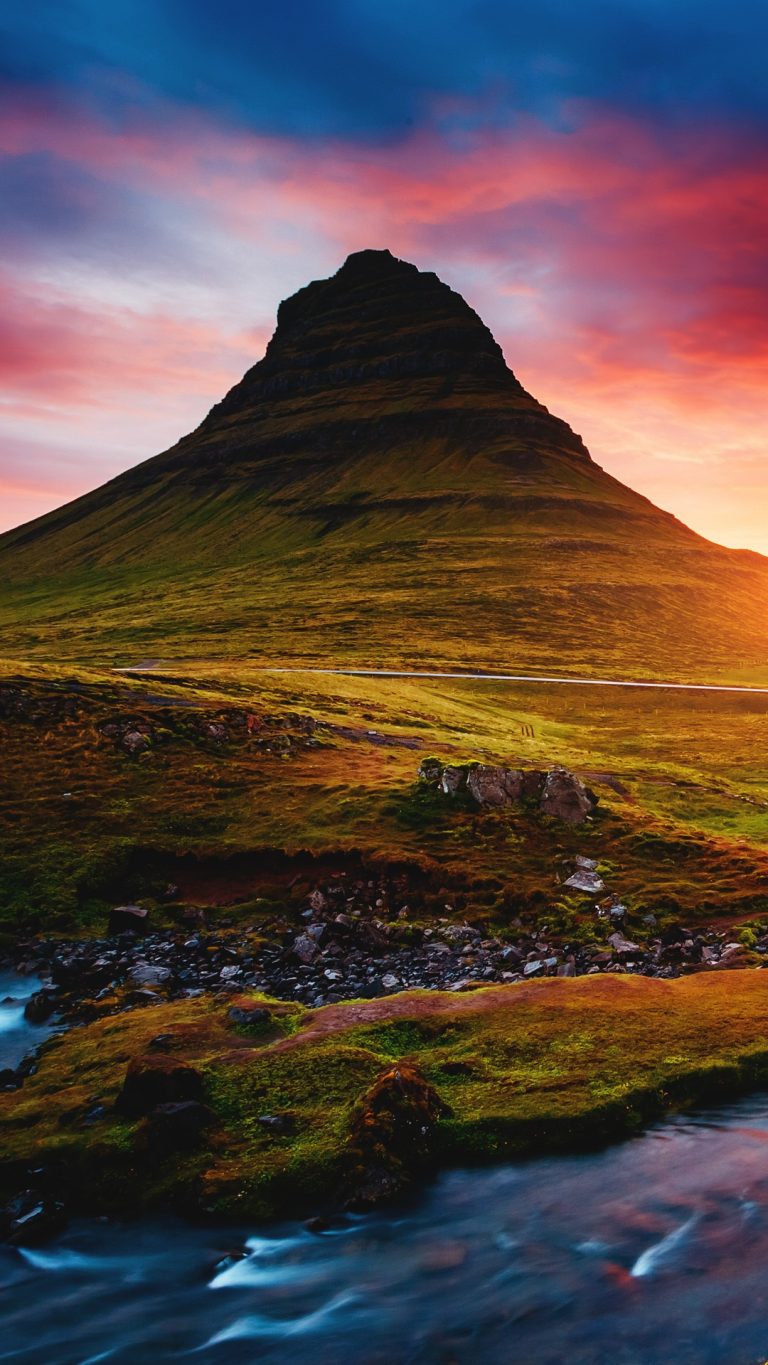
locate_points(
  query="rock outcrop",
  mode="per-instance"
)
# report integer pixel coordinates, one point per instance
(157, 1080)
(392, 1140)
(336, 335)
(556, 791)
(566, 798)
(177, 1126)
(494, 786)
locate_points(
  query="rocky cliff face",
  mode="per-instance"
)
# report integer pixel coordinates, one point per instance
(384, 344)
(376, 318)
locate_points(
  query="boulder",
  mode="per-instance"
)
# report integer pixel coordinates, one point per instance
(511, 955)
(613, 908)
(40, 1006)
(176, 1126)
(30, 1217)
(161, 1042)
(494, 786)
(370, 936)
(565, 797)
(146, 974)
(623, 947)
(305, 949)
(392, 1136)
(215, 731)
(154, 1080)
(135, 742)
(143, 997)
(460, 933)
(249, 1016)
(278, 1123)
(585, 881)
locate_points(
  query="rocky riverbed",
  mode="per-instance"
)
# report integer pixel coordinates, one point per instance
(354, 939)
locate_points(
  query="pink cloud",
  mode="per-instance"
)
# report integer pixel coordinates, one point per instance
(64, 352)
(623, 273)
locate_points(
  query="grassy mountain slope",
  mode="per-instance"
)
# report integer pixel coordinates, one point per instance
(380, 490)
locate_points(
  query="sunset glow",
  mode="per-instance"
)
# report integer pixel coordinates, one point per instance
(612, 235)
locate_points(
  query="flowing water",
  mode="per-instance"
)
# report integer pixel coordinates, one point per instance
(653, 1251)
(17, 1037)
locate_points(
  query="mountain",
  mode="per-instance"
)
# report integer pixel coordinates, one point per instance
(379, 490)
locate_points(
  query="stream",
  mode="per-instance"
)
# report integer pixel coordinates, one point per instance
(652, 1251)
(17, 1036)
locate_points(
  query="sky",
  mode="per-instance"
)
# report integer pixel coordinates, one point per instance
(592, 177)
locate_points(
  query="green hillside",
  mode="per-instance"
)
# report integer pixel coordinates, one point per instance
(379, 490)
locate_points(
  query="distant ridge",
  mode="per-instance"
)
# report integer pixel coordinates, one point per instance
(380, 489)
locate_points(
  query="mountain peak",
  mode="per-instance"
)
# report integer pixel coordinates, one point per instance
(377, 319)
(375, 263)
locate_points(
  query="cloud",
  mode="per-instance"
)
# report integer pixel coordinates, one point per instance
(373, 71)
(621, 266)
(63, 354)
(87, 391)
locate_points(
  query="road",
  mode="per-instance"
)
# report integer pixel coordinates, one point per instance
(521, 678)
(157, 666)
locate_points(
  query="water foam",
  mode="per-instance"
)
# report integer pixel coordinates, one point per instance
(254, 1326)
(658, 1255)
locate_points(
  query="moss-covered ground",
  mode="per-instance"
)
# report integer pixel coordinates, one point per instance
(681, 828)
(546, 1066)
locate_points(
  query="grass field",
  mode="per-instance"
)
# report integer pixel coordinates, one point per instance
(682, 822)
